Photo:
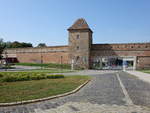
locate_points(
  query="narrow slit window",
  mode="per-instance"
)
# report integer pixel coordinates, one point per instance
(78, 36)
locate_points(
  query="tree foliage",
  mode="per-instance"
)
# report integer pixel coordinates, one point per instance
(41, 45)
(17, 44)
(2, 47)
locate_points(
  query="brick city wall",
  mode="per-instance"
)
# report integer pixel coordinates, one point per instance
(56, 54)
(135, 49)
(143, 62)
(141, 50)
(53, 54)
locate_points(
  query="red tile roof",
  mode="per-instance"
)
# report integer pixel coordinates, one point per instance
(80, 24)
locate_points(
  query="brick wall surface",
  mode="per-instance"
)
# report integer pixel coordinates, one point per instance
(140, 50)
(143, 62)
(53, 57)
(79, 48)
(37, 55)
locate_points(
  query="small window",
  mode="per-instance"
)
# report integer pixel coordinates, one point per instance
(77, 47)
(77, 58)
(78, 36)
(131, 46)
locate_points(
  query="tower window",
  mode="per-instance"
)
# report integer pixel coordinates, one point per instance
(77, 47)
(78, 36)
(77, 58)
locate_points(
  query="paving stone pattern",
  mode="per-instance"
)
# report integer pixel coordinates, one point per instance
(138, 90)
(102, 95)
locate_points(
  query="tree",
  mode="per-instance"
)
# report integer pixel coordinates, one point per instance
(2, 47)
(17, 44)
(42, 45)
(8, 44)
(23, 44)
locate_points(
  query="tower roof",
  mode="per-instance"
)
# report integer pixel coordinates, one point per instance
(80, 24)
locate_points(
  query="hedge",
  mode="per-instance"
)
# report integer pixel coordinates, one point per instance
(13, 77)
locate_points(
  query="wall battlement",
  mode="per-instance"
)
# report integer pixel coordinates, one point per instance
(38, 50)
(123, 46)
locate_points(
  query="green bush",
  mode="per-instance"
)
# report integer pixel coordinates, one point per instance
(1, 75)
(38, 76)
(9, 78)
(25, 76)
(55, 76)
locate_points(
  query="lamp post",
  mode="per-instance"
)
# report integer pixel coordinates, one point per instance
(61, 62)
(72, 64)
(124, 65)
(41, 58)
(5, 60)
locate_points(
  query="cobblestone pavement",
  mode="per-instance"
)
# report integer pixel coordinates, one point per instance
(138, 90)
(106, 93)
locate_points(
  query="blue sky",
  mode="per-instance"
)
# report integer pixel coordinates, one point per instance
(46, 21)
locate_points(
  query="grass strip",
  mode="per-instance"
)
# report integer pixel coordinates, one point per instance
(145, 71)
(35, 89)
(49, 65)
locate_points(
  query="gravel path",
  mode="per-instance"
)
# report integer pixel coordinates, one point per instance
(103, 94)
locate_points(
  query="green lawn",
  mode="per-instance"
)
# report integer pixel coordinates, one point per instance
(49, 65)
(145, 71)
(43, 71)
(34, 89)
(48, 70)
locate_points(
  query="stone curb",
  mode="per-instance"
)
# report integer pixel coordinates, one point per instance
(44, 99)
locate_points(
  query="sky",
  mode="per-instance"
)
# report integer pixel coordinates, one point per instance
(46, 21)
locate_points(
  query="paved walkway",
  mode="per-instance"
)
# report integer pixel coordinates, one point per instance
(141, 75)
(20, 68)
(90, 72)
(106, 93)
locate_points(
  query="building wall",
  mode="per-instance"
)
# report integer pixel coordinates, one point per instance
(56, 54)
(143, 62)
(64, 54)
(140, 50)
(79, 47)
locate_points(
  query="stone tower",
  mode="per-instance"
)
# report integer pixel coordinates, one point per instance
(80, 41)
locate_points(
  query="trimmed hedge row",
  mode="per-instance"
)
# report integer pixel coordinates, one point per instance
(13, 77)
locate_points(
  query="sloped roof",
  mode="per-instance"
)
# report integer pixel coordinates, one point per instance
(79, 25)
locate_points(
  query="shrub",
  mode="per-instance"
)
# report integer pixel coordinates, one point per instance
(1, 75)
(38, 76)
(24, 76)
(10, 78)
(55, 76)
